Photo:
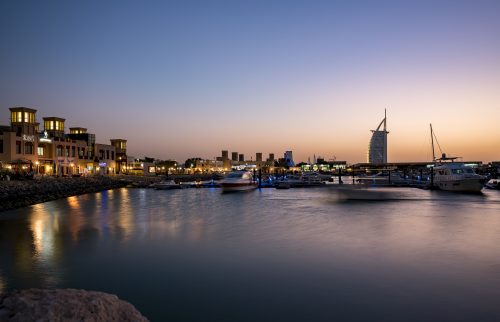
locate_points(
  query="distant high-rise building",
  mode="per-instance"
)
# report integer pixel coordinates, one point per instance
(241, 157)
(377, 148)
(258, 156)
(289, 159)
(225, 155)
(234, 156)
(271, 157)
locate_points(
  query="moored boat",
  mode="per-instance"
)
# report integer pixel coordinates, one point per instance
(450, 175)
(238, 181)
(455, 176)
(493, 184)
(167, 185)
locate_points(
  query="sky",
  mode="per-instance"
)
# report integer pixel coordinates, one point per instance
(181, 79)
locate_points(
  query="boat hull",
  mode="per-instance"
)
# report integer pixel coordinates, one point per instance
(462, 185)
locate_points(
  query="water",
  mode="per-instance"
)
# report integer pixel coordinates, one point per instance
(270, 255)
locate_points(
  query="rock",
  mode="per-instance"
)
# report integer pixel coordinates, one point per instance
(65, 305)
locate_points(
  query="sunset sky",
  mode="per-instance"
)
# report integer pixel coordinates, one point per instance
(191, 78)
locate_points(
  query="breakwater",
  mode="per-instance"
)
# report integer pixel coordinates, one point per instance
(15, 194)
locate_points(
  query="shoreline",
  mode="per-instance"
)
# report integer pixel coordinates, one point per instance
(18, 194)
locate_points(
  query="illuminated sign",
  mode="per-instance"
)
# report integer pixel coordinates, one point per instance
(29, 138)
(45, 138)
(102, 164)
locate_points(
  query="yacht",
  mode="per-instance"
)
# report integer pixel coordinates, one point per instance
(454, 176)
(238, 181)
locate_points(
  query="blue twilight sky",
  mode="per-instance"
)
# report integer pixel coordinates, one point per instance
(190, 78)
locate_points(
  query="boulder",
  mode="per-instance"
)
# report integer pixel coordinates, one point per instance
(65, 305)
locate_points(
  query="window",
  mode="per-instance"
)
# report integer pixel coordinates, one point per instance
(73, 151)
(1, 146)
(67, 151)
(41, 150)
(112, 155)
(59, 150)
(107, 154)
(18, 147)
(28, 148)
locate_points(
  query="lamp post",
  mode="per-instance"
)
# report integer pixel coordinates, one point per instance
(37, 163)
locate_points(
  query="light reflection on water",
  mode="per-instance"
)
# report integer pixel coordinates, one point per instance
(266, 255)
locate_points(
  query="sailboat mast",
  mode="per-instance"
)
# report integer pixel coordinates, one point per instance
(432, 142)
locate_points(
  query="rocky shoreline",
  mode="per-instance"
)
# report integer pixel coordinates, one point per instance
(16, 194)
(65, 305)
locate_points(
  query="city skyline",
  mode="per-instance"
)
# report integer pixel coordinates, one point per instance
(190, 80)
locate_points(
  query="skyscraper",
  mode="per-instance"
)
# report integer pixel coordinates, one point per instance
(289, 159)
(377, 149)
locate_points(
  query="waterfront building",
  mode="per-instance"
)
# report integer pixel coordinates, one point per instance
(19, 140)
(105, 158)
(80, 134)
(225, 155)
(120, 154)
(23, 148)
(59, 154)
(234, 156)
(377, 148)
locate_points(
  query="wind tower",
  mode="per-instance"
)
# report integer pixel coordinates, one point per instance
(377, 148)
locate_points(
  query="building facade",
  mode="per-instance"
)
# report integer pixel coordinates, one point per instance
(24, 148)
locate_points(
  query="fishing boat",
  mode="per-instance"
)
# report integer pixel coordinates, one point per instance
(238, 181)
(451, 175)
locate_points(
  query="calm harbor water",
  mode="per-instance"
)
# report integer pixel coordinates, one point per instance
(269, 255)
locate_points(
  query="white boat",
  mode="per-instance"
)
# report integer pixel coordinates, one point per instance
(167, 185)
(238, 181)
(493, 184)
(454, 176)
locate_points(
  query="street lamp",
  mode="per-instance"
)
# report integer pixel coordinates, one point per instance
(37, 167)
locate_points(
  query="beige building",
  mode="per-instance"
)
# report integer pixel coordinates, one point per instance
(23, 148)
(19, 141)
(105, 158)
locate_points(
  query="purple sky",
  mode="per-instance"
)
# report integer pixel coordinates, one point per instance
(191, 78)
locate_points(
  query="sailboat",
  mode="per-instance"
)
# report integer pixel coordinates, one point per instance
(451, 175)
